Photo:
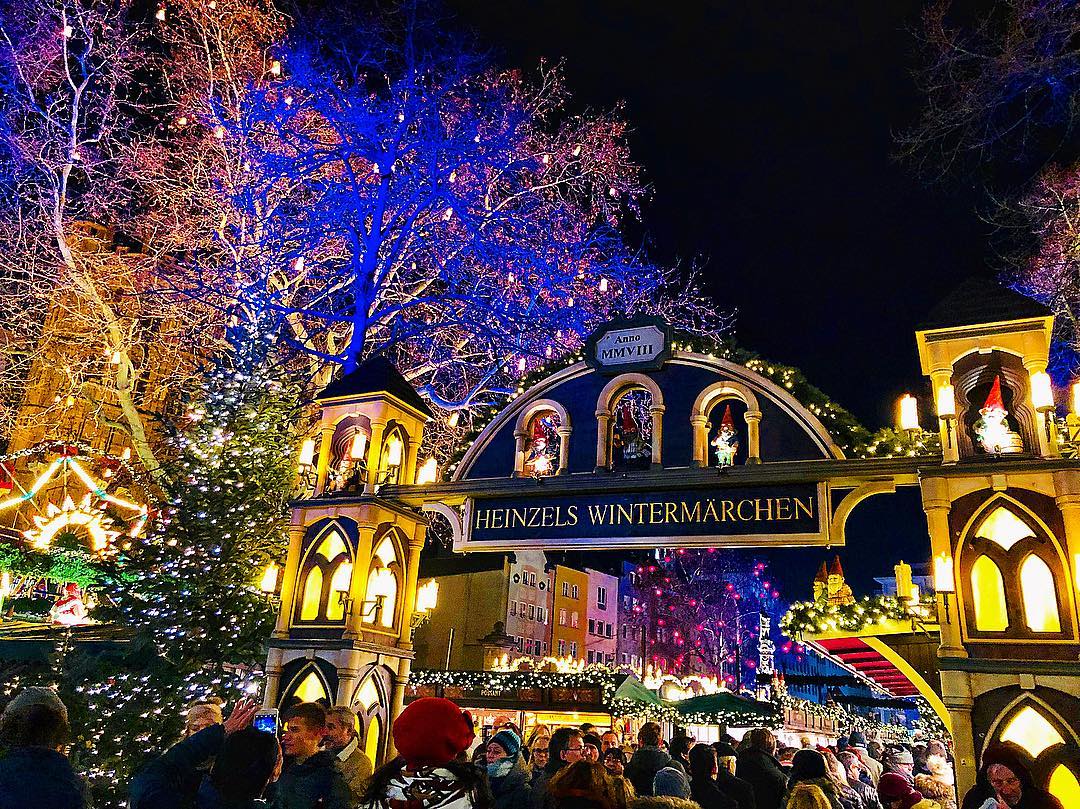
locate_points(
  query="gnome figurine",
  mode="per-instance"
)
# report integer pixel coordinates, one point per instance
(726, 443)
(992, 429)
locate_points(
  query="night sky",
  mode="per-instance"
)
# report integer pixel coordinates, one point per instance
(767, 131)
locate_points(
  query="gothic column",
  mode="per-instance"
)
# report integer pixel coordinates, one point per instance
(288, 581)
(656, 413)
(519, 453)
(273, 677)
(358, 583)
(603, 421)
(410, 585)
(326, 434)
(374, 455)
(397, 703)
(936, 505)
(698, 426)
(753, 436)
(564, 449)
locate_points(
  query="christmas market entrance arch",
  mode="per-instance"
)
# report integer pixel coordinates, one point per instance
(723, 457)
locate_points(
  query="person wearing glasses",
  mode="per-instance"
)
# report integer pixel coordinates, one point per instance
(1004, 782)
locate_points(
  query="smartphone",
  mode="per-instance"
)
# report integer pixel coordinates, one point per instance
(266, 720)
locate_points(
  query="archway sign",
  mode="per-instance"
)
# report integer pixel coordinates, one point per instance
(644, 443)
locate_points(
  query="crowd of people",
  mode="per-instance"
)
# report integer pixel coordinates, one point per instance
(319, 763)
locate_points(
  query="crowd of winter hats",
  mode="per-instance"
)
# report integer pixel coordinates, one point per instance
(893, 787)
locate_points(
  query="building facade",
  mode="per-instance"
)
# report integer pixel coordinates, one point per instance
(570, 613)
(528, 615)
(602, 631)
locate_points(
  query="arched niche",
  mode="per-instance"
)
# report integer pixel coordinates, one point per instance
(385, 580)
(393, 454)
(370, 701)
(994, 556)
(606, 405)
(973, 378)
(550, 417)
(702, 424)
(307, 680)
(325, 571)
(348, 452)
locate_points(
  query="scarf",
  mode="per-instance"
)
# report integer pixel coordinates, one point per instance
(500, 768)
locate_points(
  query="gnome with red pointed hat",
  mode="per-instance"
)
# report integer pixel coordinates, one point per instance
(992, 428)
(726, 443)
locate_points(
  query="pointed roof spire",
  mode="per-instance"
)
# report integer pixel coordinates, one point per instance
(993, 399)
(835, 569)
(822, 574)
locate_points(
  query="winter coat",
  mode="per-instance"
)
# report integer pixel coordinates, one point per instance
(318, 777)
(708, 795)
(1032, 798)
(357, 769)
(39, 778)
(209, 798)
(172, 780)
(643, 767)
(428, 788)
(825, 785)
(867, 794)
(512, 790)
(765, 777)
(737, 788)
(660, 802)
(873, 766)
(671, 780)
(937, 791)
(578, 802)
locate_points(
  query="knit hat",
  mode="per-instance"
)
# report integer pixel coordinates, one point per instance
(857, 739)
(808, 764)
(671, 782)
(37, 695)
(508, 741)
(432, 731)
(724, 750)
(899, 757)
(893, 787)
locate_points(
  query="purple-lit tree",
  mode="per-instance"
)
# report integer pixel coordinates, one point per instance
(402, 195)
(699, 609)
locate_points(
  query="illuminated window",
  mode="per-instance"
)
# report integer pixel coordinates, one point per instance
(367, 697)
(542, 444)
(311, 689)
(393, 454)
(371, 743)
(382, 580)
(1004, 528)
(1064, 786)
(631, 430)
(1040, 596)
(312, 601)
(988, 594)
(1029, 729)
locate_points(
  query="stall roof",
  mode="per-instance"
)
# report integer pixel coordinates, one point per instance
(868, 661)
(724, 702)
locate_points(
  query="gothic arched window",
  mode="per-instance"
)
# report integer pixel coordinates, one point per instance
(542, 444)
(326, 574)
(631, 433)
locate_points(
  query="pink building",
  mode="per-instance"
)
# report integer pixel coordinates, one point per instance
(528, 607)
(602, 633)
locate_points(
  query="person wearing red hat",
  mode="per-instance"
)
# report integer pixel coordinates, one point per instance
(896, 793)
(430, 736)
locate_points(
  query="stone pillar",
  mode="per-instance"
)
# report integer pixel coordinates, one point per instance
(948, 429)
(397, 702)
(288, 582)
(273, 677)
(564, 449)
(699, 424)
(348, 675)
(656, 412)
(936, 504)
(358, 583)
(956, 694)
(519, 453)
(1067, 497)
(603, 422)
(326, 434)
(409, 587)
(374, 455)
(753, 436)
(409, 462)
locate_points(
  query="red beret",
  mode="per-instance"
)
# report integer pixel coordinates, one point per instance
(432, 731)
(893, 787)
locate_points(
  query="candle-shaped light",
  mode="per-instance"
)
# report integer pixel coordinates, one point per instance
(427, 596)
(943, 574)
(393, 451)
(307, 452)
(902, 572)
(946, 402)
(428, 472)
(909, 412)
(1042, 392)
(357, 446)
(268, 583)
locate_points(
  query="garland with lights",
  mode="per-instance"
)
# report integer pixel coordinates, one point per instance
(929, 723)
(811, 617)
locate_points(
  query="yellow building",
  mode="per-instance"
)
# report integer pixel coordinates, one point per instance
(570, 613)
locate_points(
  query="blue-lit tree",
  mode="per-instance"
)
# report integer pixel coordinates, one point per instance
(403, 195)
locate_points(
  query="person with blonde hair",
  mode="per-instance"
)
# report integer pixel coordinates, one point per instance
(807, 796)
(202, 714)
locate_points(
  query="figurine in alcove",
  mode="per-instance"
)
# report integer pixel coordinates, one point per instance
(992, 428)
(726, 442)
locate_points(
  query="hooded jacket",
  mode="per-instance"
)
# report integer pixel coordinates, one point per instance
(173, 779)
(762, 771)
(39, 778)
(643, 767)
(511, 789)
(1031, 796)
(318, 777)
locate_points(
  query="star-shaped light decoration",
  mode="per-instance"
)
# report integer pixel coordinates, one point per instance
(95, 522)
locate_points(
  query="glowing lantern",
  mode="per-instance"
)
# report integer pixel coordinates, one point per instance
(307, 452)
(428, 473)
(393, 451)
(268, 583)
(909, 412)
(1042, 392)
(946, 402)
(357, 446)
(944, 582)
(427, 596)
